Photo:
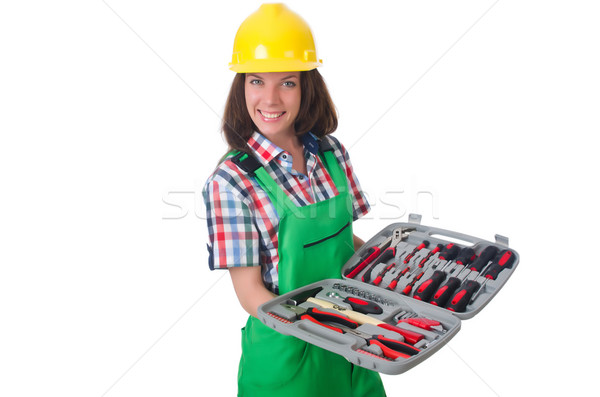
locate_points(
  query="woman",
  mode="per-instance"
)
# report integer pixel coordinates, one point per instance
(280, 205)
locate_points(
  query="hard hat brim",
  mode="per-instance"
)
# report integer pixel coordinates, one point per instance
(274, 65)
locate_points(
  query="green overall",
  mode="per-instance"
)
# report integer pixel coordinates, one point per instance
(314, 242)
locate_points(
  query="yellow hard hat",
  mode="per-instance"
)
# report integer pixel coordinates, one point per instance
(274, 39)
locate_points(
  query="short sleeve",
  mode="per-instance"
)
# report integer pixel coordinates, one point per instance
(233, 238)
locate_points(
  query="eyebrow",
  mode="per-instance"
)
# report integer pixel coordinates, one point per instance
(285, 78)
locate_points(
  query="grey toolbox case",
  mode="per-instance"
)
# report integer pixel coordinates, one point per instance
(391, 331)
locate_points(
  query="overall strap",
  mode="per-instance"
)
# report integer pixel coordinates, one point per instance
(254, 168)
(248, 163)
(333, 166)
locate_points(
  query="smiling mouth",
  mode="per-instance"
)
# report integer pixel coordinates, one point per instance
(271, 116)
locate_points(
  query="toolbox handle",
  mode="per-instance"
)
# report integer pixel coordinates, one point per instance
(457, 238)
(463, 239)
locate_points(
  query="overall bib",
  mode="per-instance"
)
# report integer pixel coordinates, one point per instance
(314, 242)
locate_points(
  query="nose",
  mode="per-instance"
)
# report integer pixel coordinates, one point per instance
(272, 94)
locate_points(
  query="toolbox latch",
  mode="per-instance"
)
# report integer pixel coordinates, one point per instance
(502, 240)
(414, 218)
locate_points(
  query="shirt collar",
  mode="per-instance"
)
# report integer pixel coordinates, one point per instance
(311, 143)
(266, 151)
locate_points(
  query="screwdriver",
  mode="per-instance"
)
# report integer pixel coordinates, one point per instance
(388, 254)
(441, 296)
(470, 286)
(504, 260)
(429, 286)
(408, 288)
(424, 244)
(392, 285)
(486, 255)
(449, 252)
(434, 251)
(367, 257)
(379, 277)
(466, 256)
(422, 263)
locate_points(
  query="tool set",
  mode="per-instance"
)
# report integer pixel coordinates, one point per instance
(402, 296)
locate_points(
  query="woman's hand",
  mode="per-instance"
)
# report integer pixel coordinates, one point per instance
(357, 242)
(249, 288)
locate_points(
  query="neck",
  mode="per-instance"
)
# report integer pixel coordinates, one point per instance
(288, 143)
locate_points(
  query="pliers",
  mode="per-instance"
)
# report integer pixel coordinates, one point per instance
(391, 348)
(397, 236)
(317, 316)
(373, 252)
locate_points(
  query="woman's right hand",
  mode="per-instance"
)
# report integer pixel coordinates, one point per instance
(249, 288)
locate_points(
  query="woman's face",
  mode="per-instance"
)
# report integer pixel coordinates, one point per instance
(273, 102)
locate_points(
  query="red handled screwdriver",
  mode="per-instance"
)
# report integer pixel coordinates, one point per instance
(441, 296)
(505, 260)
(388, 254)
(429, 286)
(460, 300)
(488, 253)
(408, 288)
(482, 260)
(434, 251)
(422, 263)
(450, 252)
(379, 277)
(367, 257)
(466, 256)
(394, 283)
(418, 248)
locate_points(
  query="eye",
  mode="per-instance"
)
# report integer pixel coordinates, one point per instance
(289, 84)
(255, 82)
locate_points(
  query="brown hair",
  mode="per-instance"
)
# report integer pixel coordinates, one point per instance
(317, 113)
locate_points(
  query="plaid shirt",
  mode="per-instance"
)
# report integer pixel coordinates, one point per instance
(243, 223)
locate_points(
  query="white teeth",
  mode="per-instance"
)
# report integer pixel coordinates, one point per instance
(271, 115)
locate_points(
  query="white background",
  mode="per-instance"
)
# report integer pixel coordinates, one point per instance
(109, 120)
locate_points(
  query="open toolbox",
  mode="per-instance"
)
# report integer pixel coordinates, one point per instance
(402, 296)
